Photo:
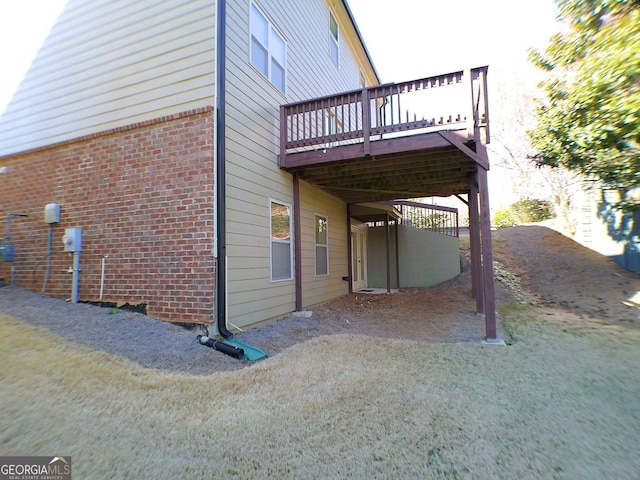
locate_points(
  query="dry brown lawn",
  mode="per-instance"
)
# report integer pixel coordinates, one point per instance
(561, 401)
(555, 404)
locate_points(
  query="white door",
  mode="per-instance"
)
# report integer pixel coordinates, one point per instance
(359, 258)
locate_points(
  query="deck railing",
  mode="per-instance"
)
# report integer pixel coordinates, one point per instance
(435, 218)
(452, 101)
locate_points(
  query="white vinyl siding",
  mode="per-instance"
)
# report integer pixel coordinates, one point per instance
(107, 64)
(268, 49)
(253, 143)
(320, 288)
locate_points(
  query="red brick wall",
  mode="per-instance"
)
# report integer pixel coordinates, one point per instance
(144, 198)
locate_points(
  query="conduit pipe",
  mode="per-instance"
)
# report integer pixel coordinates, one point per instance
(104, 264)
(49, 253)
(8, 239)
(75, 283)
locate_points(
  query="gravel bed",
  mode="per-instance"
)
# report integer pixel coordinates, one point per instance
(143, 339)
(435, 314)
(534, 265)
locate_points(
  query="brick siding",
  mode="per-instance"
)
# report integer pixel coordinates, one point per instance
(144, 197)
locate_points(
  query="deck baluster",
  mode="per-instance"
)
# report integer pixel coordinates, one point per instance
(353, 117)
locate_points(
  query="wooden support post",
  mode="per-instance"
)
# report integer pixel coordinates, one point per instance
(397, 254)
(476, 250)
(485, 100)
(283, 137)
(297, 241)
(388, 252)
(349, 249)
(487, 257)
(366, 121)
(467, 80)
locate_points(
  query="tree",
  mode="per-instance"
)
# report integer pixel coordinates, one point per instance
(589, 121)
(512, 115)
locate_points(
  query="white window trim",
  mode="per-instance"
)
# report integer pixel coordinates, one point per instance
(272, 28)
(290, 242)
(316, 245)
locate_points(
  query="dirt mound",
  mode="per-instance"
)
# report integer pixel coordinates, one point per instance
(565, 274)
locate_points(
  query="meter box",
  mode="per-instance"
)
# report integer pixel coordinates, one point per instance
(6, 253)
(72, 239)
(52, 213)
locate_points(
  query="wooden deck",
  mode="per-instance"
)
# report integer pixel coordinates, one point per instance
(399, 141)
(395, 141)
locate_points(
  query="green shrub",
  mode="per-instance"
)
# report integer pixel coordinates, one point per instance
(503, 218)
(523, 211)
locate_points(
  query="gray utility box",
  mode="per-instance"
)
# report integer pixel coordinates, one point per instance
(6, 252)
(72, 239)
(52, 213)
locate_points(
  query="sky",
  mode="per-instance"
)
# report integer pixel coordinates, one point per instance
(24, 25)
(410, 39)
(407, 39)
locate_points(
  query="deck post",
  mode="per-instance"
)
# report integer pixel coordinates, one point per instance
(484, 115)
(396, 235)
(388, 251)
(487, 257)
(471, 113)
(297, 241)
(366, 121)
(283, 137)
(476, 251)
(349, 249)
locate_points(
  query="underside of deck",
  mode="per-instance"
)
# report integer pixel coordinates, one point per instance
(415, 139)
(409, 167)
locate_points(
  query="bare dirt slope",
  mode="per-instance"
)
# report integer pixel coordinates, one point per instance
(566, 275)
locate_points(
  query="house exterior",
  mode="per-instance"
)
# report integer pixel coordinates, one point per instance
(165, 131)
(605, 229)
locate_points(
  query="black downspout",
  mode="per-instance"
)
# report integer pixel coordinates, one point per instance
(221, 264)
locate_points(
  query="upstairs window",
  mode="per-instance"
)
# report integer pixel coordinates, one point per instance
(268, 49)
(333, 38)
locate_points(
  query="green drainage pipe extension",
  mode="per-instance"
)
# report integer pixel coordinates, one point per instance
(233, 348)
(251, 353)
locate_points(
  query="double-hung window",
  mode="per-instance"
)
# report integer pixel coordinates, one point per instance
(333, 38)
(281, 253)
(322, 245)
(268, 49)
